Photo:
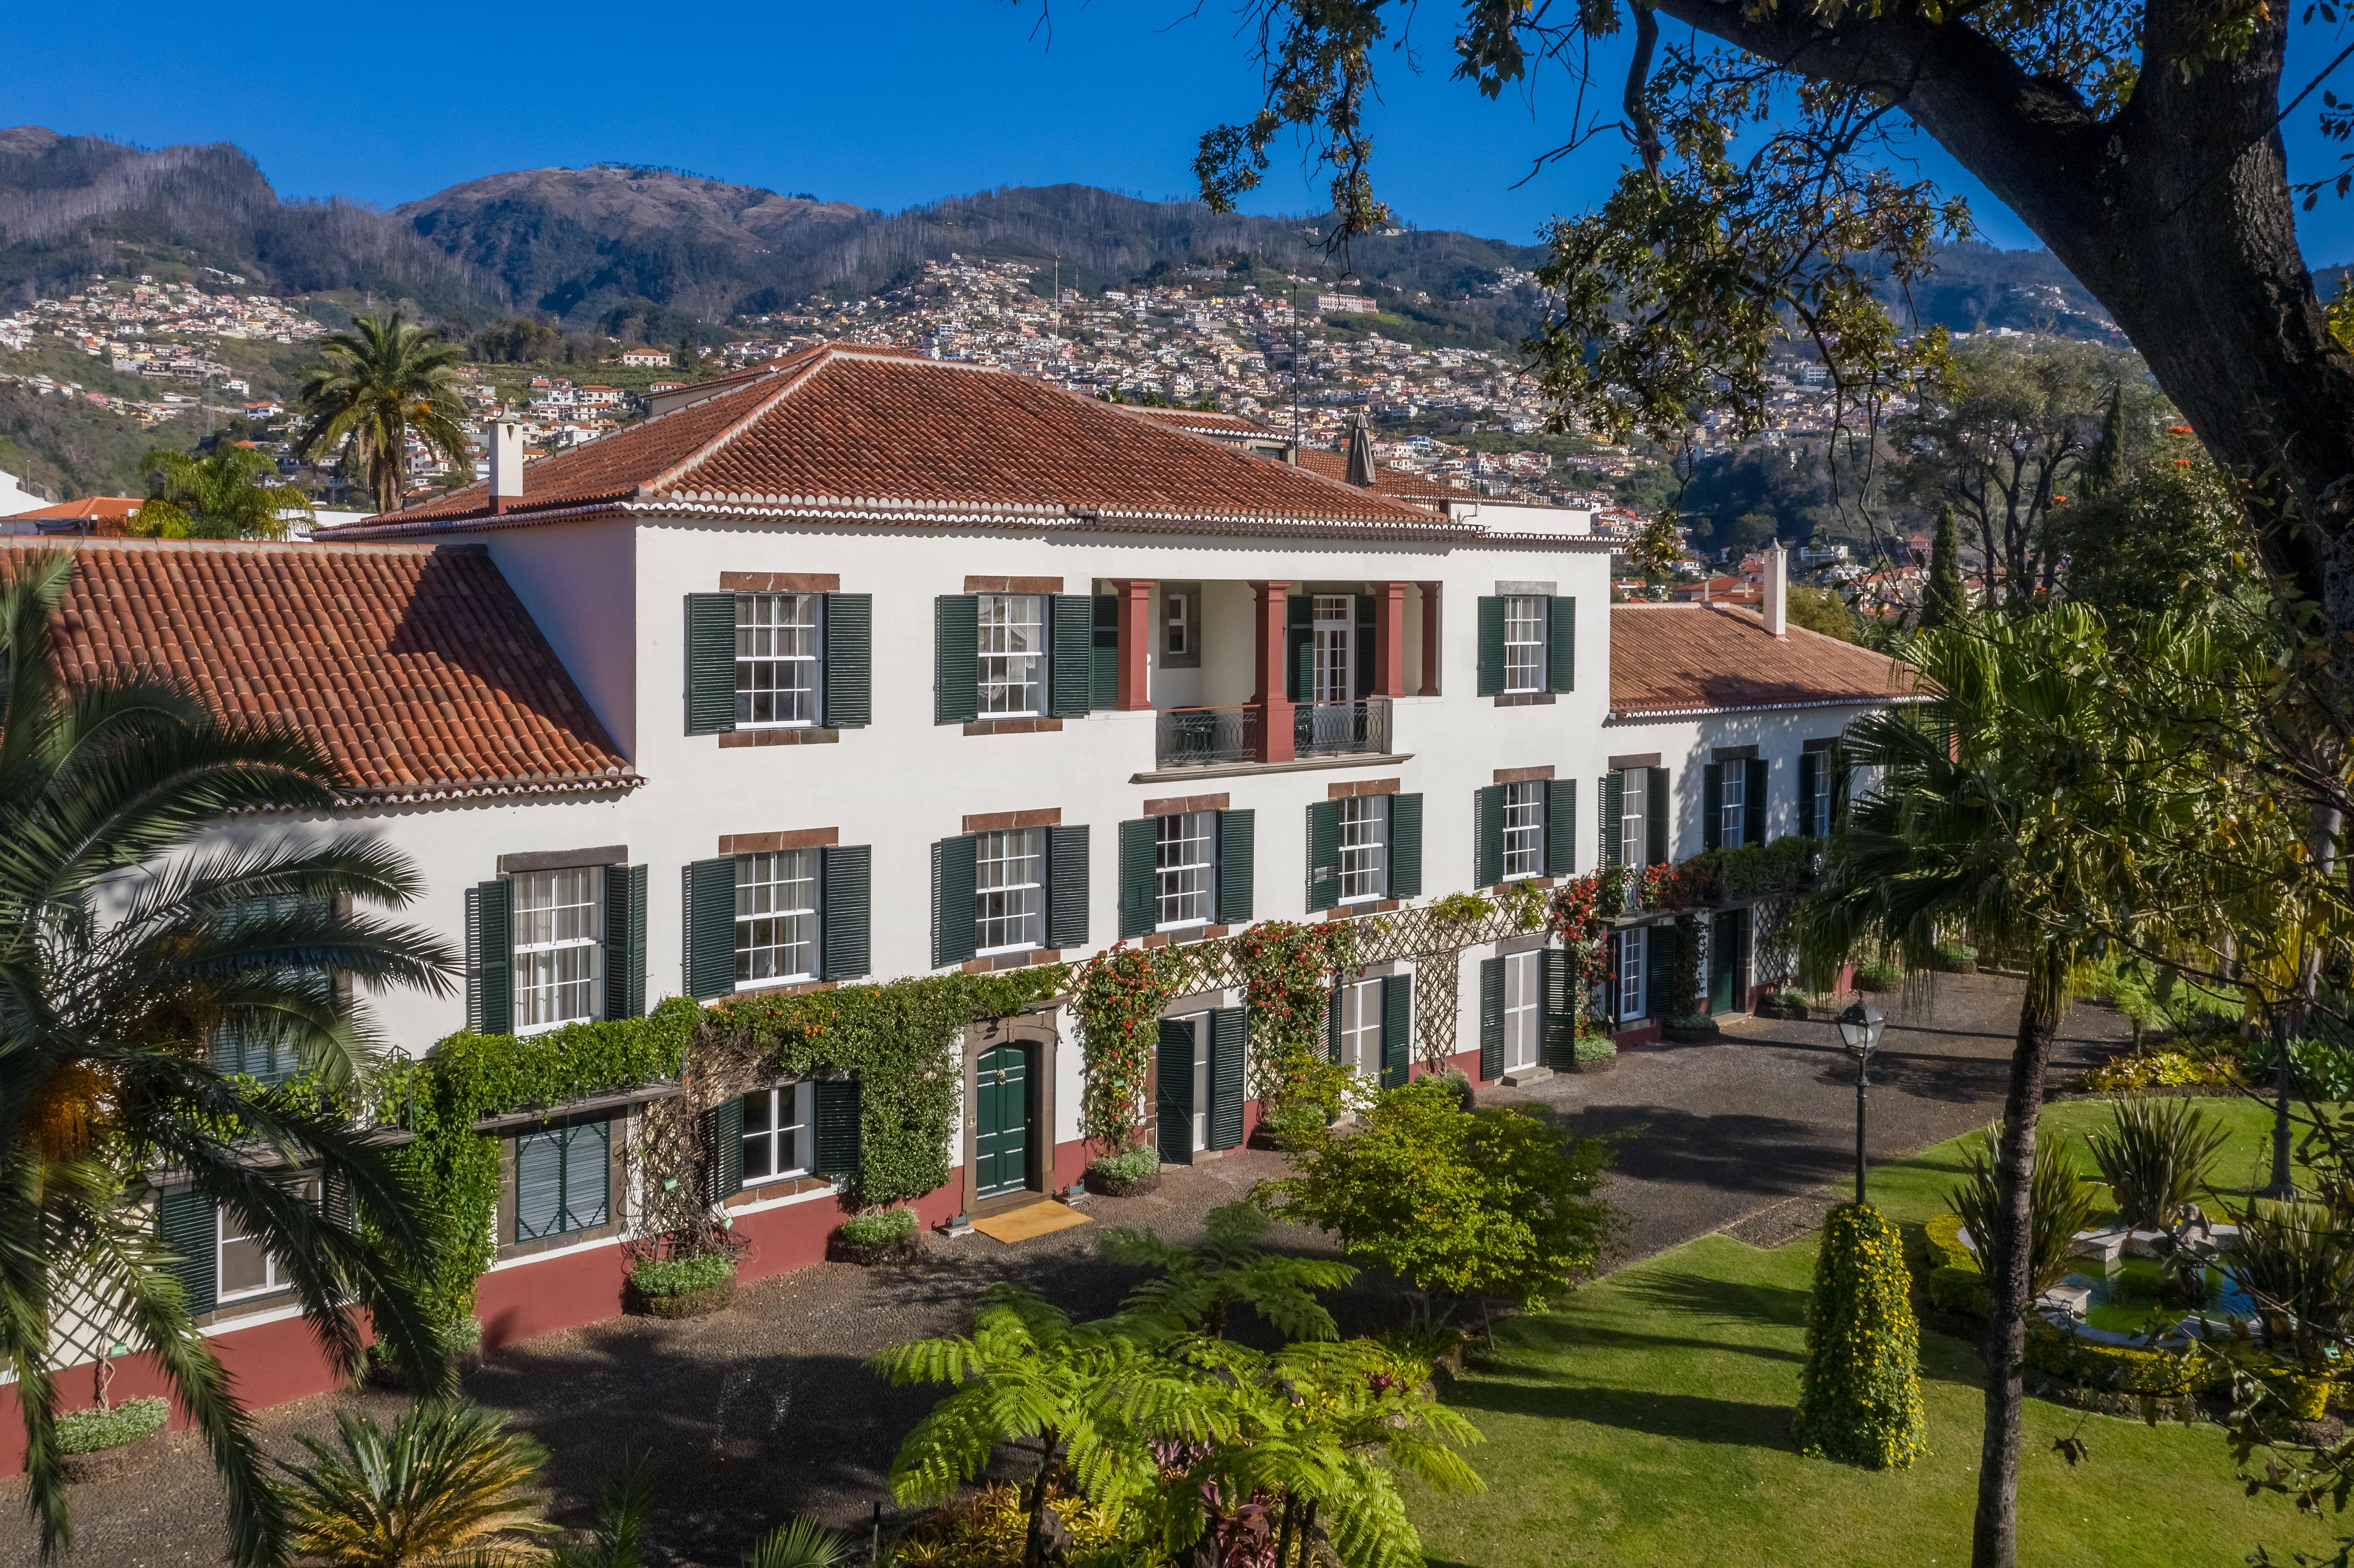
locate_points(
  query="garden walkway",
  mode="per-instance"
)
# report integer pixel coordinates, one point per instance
(764, 1410)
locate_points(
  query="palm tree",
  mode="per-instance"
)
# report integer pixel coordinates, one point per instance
(106, 1021)
(1199, 1286)
(384, 381)
(235, 493)
(442, 1488)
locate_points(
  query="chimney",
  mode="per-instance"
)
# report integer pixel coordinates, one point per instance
(1361, 453)
(507, 465)
(1704, 581)
(1775, 597)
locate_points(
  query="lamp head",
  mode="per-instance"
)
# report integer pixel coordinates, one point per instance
(1860, 1027)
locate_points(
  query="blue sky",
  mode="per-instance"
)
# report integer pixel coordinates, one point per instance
(884, 107)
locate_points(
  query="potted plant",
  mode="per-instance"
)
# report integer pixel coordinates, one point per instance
(876, 1236)
(119, 1440)
(1689, 1029)
(1594, 1053)
(1958, 957)
(1785, 1003)
(690, 1286)
(1124, 1174)
(1885, 976)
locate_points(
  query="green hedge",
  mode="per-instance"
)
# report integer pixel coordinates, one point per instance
(1955, 1281)
(94, 1430)
(1859, 1393)
(2119, 1368)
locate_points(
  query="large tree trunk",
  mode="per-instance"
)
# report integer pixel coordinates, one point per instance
(1994, 1535)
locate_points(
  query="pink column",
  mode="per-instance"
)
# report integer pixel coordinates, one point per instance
(1274, 707)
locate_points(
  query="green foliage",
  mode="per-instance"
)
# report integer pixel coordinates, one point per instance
(382, 382)
(1117, 999)
(1130, 1165)
(1288, 971)
(1463, 908)
(1461, 1204)
(1860, 1396)
(1951, 956)
(801, 1544)
(1751, 871)
(990, 1528)
(235, 493)
(682, 1275)
(2120, 1369)
(878, 1226)
(2296, 1259)
(1595, 1048)
(1881, 976)
(1945, 597)
(2160, 1069)
(2319, 1069)
(440, 1487)
(2060, 1203)
(1198, 1286)
(1955, 1282)
(93, 1431)
(1822, 610)
(2172, 530)
(621, 1514)
(2155, 1156)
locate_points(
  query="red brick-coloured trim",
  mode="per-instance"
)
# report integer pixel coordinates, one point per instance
(763, 843)
(1012, 961)
(735, 738)
(1363, 787)
(1178, 805)
(1523, 775)
(998, 822)
(1649, 759)
(1012, 584)
(1014, 727)
(798, 988)
(1348, 911)
(780, 582)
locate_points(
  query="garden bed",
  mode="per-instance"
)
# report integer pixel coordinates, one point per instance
(872, 1240)
(107, 1444)
(680, 1286)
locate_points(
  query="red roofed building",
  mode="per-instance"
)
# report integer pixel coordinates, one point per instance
(93, 517)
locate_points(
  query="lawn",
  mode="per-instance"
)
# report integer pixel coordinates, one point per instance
(1646, 1421)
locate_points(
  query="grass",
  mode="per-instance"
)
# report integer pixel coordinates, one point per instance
(1646, 1421)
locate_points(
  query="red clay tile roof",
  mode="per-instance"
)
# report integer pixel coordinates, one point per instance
(93, 517)
(1403, 483)
(857, 432)
(415, 668)
(1202, 419)
(1683, 658)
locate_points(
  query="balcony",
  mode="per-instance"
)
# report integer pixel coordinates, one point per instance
(1229, 737)
(1341, 729)
(1207, 737)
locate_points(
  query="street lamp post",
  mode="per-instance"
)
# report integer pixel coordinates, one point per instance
(1859, 1028)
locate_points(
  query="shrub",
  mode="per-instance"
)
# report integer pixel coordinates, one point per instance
(1956, 1284)
(1790, 998)
(2160, 1070)
(2120, 1369)
(1595, 1048)
(877, 1227)
(2059, 1204)
(1951, 956)
(440, 1487)
(1457, 1080)
(1880, 977)
(682, 1275)
(2318, 1069)
(1691, 1020)
(991, 1528)
(1860, 1396)
(1129, 1165)
(2155, 1159)
(91, 1431)
(2297, 1255)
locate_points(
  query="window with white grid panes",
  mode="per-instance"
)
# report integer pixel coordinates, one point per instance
(558, 930)
(777, 637)
(1523, 829)
(1364, 847)
(777, 1132)
(1335, 632)
(1185, 868)
(1524, 643)
(1633, 844)
(1179, 611)
(776, 916)
(1523, 1009)
(1817, 805)
(247, 1266)
(1013, 654)
(1731, 815)
(1630, 973)
(1361, 1027)
(1010, 879)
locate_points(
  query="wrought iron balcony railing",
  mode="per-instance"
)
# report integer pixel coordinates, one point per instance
(1206, 737)
(1341, 729)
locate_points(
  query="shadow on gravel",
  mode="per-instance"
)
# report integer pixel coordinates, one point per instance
(1767, 1155)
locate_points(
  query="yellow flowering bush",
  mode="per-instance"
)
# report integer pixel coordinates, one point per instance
(1860, 1396)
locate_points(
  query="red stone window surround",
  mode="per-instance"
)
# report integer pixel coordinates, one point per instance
(1178, 805)
(1012, 584)
(779, 582)
(1364, 787)
(999, 821)
(764, 844)
(1523, 775)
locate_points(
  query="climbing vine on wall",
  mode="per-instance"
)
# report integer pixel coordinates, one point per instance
(1117, 999)
(1289, 971)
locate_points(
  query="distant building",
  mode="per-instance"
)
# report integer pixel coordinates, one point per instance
(647, 358)
(1347, 305)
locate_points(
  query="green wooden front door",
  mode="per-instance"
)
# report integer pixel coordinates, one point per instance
(1728, 962)
(1001, 1140)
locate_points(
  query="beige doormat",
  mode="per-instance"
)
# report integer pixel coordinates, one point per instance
(1031, 1220)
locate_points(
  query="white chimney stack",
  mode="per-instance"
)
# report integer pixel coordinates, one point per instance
(1775, 600)
(506, 464)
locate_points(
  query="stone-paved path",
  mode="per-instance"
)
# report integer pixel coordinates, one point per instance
(765, 1410)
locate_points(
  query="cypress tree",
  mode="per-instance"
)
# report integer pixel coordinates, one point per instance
(1945, 599)
(2106, 465)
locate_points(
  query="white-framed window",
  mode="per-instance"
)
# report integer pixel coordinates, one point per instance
(1185, 869)
(1013, 654)
(1201, 1083)
(1523, 829)
(1361, 1027)
(1010, 880)
(777, 1132)
(245, 1265)
(777, 640)
(1364, 847)
(1177, 610)
(1634, 842)
(1524, 642)
(776, 916)
(1631, 944)
(1731, 792)
(1817, 805)
(1335, 632)
(1523, 1009)
(559, 946)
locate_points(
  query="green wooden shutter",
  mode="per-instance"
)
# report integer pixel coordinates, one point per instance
(1236, 867)
(1561, 827)
(1368, 652)
(1807, 825)
(710, 903)
(1561, 645)
(188, 1225)
(489, 931)
(1610, 789)
(955, 658)
(1066, 887)
(1323, 855)
(1655, 821)
(954, 875)
(1071, 655)
(723, 1150)
(1172, 1091)
(1139, 879)
(1398, 1019)
(1332, 1021)
(1712, 805)
(710, 663)
(1492, 1018)
(1491, 646)
(1841, 779)
(625, 941)
(1487, 835)
(1659, 952)
(1104, 668)
(1406, 846)
(1558, 1020)
(1753, 803)
(1300, 647)
(847, 671)
(539, 1185)
(847, 896)
(837, 1135)
(1229, 1044)
(588, 1175)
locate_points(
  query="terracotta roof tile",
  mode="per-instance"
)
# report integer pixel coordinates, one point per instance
(416, 668)
(1402, 484)
(1676, 658)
